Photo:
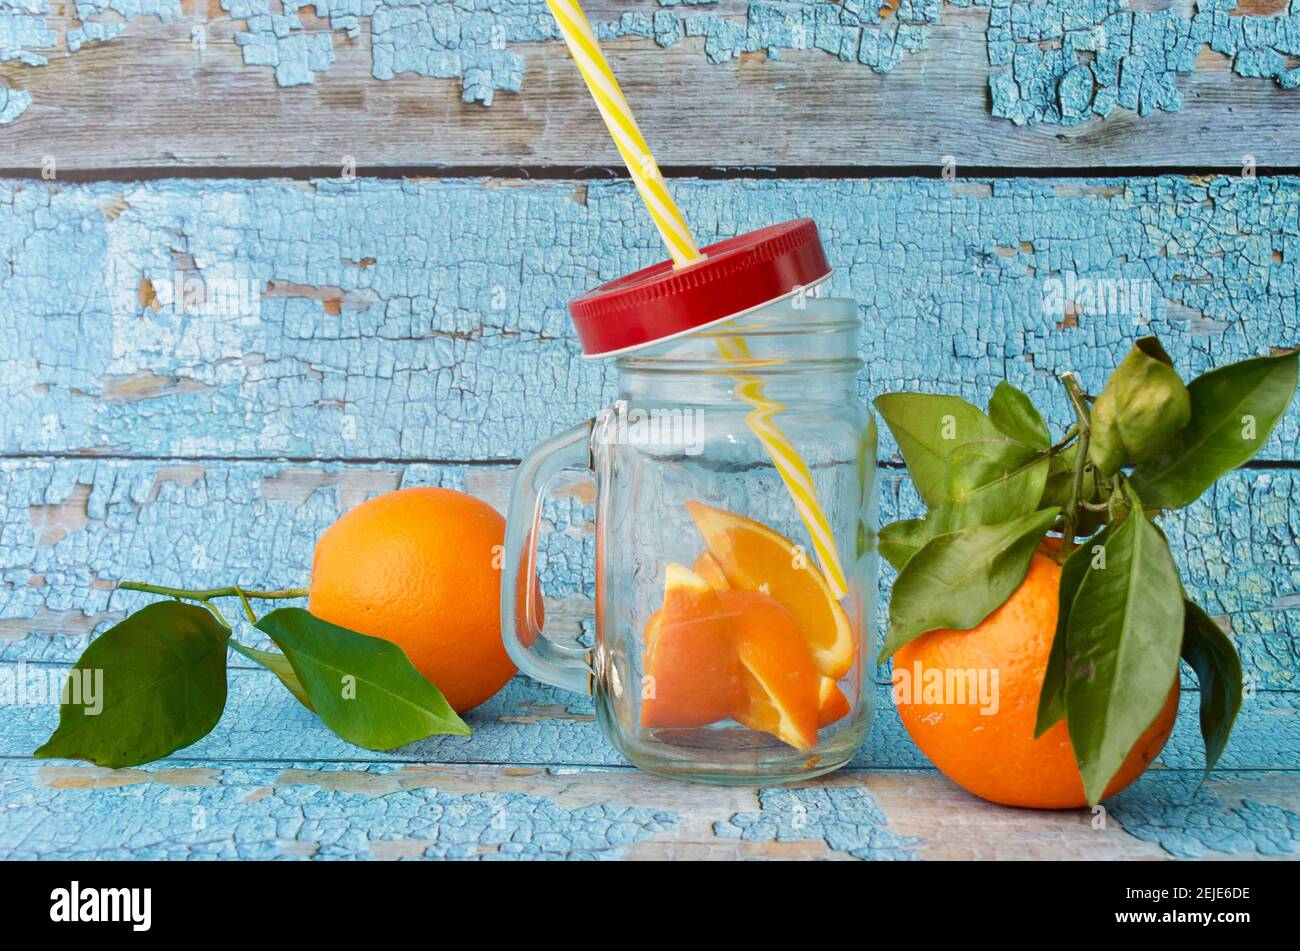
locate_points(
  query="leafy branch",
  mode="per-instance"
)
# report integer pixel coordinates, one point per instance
(995, 485)
(156, 682)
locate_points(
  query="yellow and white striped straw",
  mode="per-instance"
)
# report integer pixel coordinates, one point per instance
(582, 43)
(584, 47)
(794, 471)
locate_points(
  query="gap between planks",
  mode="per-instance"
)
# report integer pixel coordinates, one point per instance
(569, 173)
(890, 464)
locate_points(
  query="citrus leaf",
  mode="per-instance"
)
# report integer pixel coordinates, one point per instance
(1142, 408)
(1234, 408)
(927, 428)
(363, 688)
(279, 665)
(996, 480)
(1123, 638)
(148, 686)
(1051, 699)
(959, 579)
(1015, 415)
(1210, 652)
(993, 481)
(899, 541)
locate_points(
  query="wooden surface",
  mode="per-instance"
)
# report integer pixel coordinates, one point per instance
(205, 448)
(148, 97)
(411, 331)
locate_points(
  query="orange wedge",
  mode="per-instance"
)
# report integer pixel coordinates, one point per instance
(831, 703)
(693, 677)
(780, 681)
(752, 557)
(652, 631)
(707, 567)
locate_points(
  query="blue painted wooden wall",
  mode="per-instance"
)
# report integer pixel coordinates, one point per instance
(358, 335)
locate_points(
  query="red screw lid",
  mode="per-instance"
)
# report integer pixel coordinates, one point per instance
(736, 275)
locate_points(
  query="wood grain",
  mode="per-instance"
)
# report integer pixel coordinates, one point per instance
(148, 99)
(299, 811)
(74, 527)
(426, 320)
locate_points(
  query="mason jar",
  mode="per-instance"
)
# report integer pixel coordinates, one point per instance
(735, 566)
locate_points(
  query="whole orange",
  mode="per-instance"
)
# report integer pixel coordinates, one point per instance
(994, 754)
(421, 567)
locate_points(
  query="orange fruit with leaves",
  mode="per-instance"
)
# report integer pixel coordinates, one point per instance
(989, 748)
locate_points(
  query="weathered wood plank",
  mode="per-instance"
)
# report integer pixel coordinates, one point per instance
(362, 84)
(263, 810)
(532, 724)
(70, 529)
(425, 320)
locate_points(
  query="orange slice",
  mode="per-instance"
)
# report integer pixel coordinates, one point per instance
(707, 567)
(752, 557)
(692, 672)
(831, 703)
(781, 684)
(651, 632)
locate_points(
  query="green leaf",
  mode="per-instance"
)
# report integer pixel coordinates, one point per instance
(927, 428)
(1124, 633)
(868, 453)
(959, 579)
(1051, 699)
(1143, 406)
(989, 493)
(145, 688)
(1209, 651)
(996, 480)
(1014, 414)
(279, 665)
(1234, 408)
(364, 688)
(899, 541)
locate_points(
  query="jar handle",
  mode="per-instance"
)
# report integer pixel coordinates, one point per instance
(521, 629)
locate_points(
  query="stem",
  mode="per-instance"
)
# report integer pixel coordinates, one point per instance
(1084, 425)
(216, 613)
(1065, 440)
(206, 594)
(248, 608)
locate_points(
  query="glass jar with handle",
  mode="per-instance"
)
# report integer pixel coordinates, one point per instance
(735, 519)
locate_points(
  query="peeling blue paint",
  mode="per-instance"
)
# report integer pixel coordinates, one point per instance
(1068, 61)
(846, 818)
(13, 103)
(264, 812)
(255, 523)
(24, 31)
(459, 320)
(445, 41)
(92, 33)
(279, 41)
(1071, 61)
(22, 35)
(165, 10)
(1189, 822)
(66, 527)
